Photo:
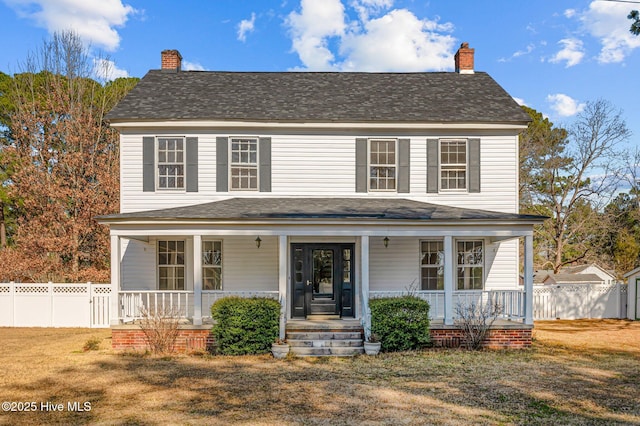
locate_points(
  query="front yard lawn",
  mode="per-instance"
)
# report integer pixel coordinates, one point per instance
(578, 372)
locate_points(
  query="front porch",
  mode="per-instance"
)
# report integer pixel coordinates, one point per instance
(320, 256)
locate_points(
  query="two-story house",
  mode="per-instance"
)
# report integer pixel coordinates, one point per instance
(320, 189)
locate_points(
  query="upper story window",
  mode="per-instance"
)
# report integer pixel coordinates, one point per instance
(244, 164)
(453, 164)
(382, 165)
(432, 265)
(170, 163)
(470, 265)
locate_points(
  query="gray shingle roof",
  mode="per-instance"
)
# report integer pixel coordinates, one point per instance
(322, 208)
(445, 97)
(572, 278)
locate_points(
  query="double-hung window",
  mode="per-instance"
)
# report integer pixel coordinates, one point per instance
(470, 263)
(453, 164)
(212, 265)
(244, 164)
(432, 265)
(170, 163)
(171, 264)
(382, 164)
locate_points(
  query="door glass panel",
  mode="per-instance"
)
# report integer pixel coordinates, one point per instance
(297, 265)
(346, 265)
(323, 272)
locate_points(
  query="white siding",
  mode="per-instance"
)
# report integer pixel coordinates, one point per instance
(322, 165)
(397, 267)
(247, 267)
(138, 267)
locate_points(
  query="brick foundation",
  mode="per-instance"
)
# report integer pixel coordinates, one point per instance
(189, 339)
(199, 338)
(497, 338)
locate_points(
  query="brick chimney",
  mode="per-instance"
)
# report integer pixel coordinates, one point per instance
(464, 59)
(171, 60)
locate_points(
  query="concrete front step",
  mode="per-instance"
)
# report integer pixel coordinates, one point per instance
(325, 337)
(322, 335)
(327, 351)
(325, 343)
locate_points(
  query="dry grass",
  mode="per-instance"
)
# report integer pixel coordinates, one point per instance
(579, 372)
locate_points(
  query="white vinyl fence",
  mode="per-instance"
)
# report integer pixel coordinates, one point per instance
(54, 305)
(574, 301)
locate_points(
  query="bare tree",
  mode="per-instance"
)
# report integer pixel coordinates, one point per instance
(579, 184)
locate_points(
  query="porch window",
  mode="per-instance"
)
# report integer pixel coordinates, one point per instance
(432, 265)
(170, 163)
(453, 164)
(470, 256)
(382, 165)
(244, 164)
(171, 264)
(212, 265)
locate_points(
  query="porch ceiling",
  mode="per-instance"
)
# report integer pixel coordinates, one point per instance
(301, 209)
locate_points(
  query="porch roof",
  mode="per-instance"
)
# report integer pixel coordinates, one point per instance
(320, 208)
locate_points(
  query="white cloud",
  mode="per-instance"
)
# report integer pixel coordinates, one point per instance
(530, 48)
(399, 41)
(367, 7)
(564, 105)
(106, 70)
(192, 66)
(519, 101)
(570, 13)
(607, 21)
(93, 21)
(246, 26)
(396, 41)
(312, 27)
(572, 52)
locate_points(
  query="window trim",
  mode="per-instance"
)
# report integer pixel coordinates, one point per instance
(157, 164)
(466, 166)
(432, 266)
(395, 165)
(231, 163)
(184, 265)
(221, 267)
(482, 265)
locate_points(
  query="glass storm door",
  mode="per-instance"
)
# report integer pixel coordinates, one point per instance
(322, 279)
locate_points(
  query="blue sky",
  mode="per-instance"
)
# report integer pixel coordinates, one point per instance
(551, 55)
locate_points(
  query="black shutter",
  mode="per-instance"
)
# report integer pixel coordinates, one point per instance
(474, 165)
(264, 167)
(432, 165)
(148, 164)
(361, 164)
(192, 164)
(403, 163)
(222, 164)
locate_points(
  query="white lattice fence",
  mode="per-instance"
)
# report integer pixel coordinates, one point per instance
(54, 305)
(575, 301)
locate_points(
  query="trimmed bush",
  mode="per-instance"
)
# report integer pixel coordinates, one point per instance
(245, 326)
(401, 323)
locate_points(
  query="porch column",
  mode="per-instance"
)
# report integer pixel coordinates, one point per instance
(114, 300)
(197, 280)
(364, 284)
(282, 283)
(528, 279)
(448, 280)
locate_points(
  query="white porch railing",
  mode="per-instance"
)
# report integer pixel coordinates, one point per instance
(209, 297)
(132, 303)
(180, 302)
(510, 301)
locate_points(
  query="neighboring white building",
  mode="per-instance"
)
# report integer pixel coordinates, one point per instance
(633, 294)
(322, 189)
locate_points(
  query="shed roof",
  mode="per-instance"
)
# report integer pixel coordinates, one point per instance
(321, 208)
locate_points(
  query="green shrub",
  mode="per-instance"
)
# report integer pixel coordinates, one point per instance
(245, 326)
(401, 323)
